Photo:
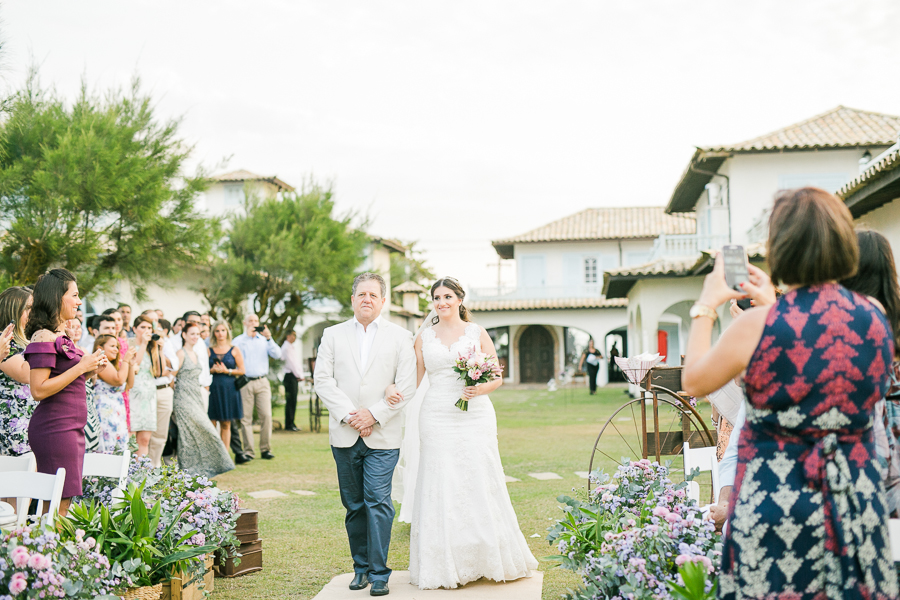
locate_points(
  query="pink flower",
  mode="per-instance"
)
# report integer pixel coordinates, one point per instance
(38, 561)
(660, 511)
(671, 518)
(632, 522)
(681, 559)
(679, 493)
(79, 534)
(18, 583)
(20, 556)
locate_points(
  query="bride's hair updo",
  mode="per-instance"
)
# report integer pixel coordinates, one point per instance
(454, 286)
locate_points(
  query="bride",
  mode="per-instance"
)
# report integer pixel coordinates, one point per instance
(463, 523)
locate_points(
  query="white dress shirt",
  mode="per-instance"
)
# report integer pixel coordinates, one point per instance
(364, 338)
(291, 358)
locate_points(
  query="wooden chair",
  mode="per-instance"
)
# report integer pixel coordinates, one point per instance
(705, 460)
(107, 465)
(25, 486)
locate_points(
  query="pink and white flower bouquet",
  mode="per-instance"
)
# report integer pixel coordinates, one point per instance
(476, 367)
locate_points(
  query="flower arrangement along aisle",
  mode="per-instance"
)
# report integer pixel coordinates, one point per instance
(36, 563)
(632, 535)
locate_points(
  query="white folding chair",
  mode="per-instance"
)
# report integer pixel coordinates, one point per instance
(108, 465)
(705, 460)
(25, 462)
(894, 534)
(25, 486)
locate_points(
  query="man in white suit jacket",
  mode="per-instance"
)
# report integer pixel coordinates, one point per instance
(356, 361)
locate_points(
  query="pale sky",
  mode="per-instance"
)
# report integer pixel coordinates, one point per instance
(455, 123)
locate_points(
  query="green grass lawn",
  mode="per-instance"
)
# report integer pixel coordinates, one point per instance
(304, 543)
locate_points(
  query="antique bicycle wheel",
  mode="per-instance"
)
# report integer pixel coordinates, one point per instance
(632, 433)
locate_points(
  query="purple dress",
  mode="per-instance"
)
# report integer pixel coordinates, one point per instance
(56, 430)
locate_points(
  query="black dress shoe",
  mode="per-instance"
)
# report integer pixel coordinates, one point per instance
(268, 455)
(292, 428)
(379, 588)
(360, 581)
(241, 459)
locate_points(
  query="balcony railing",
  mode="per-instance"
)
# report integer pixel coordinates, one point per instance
(671, 246)
(532, 293)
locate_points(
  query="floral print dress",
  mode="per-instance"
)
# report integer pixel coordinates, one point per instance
(113, 421)
(16, 406)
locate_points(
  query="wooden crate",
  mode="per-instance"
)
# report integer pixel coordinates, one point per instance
(177, 588)
(251, 562)
(247, 522)
(250, 536)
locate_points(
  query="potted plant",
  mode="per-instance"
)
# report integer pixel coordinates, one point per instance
(143, 550)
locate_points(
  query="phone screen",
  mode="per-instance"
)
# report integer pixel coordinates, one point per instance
(735, 266)
(261, 328)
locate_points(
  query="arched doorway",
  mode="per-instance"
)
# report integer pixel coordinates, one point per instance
(535, 355)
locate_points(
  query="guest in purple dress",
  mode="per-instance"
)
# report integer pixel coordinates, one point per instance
(58, 372)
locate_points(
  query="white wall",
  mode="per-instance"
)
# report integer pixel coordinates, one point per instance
(219, 199)
(885, 220)
(174, 301)
(558, 257)
(755, 178)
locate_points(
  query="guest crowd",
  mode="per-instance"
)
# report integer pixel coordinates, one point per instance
(185, 390)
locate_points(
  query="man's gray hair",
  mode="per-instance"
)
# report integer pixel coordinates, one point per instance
(369, 277)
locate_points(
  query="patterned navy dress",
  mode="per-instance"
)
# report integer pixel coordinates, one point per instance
(808, 514)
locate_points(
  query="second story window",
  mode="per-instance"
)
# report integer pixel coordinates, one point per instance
(590, 270)
(234, 195)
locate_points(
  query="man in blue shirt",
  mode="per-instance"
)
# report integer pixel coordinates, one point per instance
(256, 346)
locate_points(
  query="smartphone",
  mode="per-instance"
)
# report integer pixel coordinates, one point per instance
(261, 328)
(736, 271)
(744, 303)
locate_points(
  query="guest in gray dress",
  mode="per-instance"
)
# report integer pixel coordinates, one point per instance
(200, 449)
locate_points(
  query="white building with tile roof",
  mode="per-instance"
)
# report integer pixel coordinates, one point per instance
(542, 324)
(729, 190)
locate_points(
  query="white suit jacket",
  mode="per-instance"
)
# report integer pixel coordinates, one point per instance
(345, 385)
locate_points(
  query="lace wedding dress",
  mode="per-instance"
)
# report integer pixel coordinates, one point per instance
(463, 526)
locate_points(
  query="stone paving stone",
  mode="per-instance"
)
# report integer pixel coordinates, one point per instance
(267, 494)
(544, 476)
(527, 588)
(303, 492)
(583, 474)
(511, 479)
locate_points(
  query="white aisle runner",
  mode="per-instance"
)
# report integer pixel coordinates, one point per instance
(528, 588)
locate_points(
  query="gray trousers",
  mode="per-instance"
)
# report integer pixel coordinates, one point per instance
(364, 476)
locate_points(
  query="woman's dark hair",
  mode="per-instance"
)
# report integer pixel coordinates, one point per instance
(811, 238)
(101, 341)
(877, 277)
(48, 294)
(454, 286)
(165, 325)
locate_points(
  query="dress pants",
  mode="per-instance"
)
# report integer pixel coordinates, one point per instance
(163, 414)
(257, 393)
(291, 388)
(235, 443)
(364, 476)
(592, 371)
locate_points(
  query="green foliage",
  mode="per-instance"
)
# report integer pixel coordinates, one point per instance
(129, 534)
(694, 575)
(284, 255)
(410, 267)
(97, 187)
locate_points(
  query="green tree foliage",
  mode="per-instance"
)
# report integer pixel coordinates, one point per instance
(284, 255)
(97, 186)
(410, 267)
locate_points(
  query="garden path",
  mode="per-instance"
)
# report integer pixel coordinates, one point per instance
(522, 589)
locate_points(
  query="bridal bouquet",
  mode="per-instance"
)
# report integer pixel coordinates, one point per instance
(474, 368)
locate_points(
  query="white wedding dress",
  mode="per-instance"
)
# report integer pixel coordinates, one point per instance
(463, 525)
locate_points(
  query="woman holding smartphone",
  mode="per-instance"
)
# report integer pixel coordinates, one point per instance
(151, 364)
(57, 375)
(16, 403)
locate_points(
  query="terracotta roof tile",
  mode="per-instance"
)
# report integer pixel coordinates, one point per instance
(608, 224)
(244, 175)
(889, 162)
(547, 304)
(410, 286)
(839, 127)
